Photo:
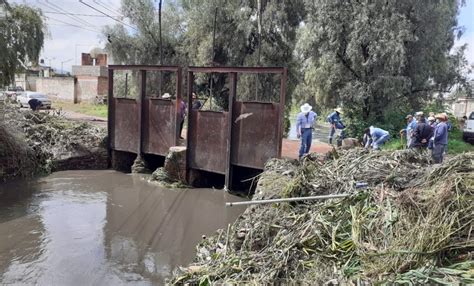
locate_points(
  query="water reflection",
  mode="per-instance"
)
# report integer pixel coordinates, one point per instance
(103, 227)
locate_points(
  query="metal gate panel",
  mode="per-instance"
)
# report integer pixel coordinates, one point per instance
(159, 132)
(126, 133)
(255, 137)
(207, 134)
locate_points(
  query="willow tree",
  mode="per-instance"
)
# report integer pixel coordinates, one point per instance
(244, 33)
(375, 56)
(21, 39)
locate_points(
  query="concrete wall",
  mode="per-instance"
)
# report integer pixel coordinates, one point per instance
(90, 71)
(463, 106)
(28, 82)
(61, 88)
(88, 88)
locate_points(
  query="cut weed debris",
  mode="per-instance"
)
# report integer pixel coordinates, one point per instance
(413, 223)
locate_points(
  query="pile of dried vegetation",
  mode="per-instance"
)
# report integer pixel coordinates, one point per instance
(412, 224)
(39, 142)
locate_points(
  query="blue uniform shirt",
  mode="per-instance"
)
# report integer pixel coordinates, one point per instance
(333, 118)
(411, 126)
(377, 133)
(303, 121)
(441, 134)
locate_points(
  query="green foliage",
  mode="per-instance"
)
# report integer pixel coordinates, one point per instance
(456, 145)
(99, 110)
(374, 57)
(21, 39)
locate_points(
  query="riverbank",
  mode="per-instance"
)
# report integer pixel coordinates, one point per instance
(412, 224)
(38, 143)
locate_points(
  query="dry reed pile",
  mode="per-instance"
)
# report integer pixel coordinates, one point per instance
(413, 224)
(41, 139)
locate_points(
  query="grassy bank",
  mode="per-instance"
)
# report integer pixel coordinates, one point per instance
(99, 110)
(455, 144)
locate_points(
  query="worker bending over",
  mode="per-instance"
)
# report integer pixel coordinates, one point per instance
(376, 137)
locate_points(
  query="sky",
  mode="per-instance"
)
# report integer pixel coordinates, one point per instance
(466, 19)
(69, 35)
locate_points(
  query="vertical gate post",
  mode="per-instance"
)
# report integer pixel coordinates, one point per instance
(179, 96)
(110, 117)
(190, 124)
(140, 100)
(230, 121)
(284, 76)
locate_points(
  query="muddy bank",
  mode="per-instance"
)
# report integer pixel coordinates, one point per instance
(37, 143)
(412, 224)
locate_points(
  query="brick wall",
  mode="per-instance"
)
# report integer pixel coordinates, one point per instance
(61, 88)
(88, 88)
(86, 59)
(103, 86)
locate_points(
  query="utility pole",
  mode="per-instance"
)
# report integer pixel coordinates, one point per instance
(62, 63)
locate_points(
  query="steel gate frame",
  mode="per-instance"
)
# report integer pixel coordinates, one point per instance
(139, 101)
(233, 72)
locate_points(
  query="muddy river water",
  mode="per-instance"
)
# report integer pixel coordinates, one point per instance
(102, 228)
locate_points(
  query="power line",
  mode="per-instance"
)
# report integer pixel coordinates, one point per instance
(79, 20)
(73, 14)
(72, 25)
(106, 8)
(113, 6)
(115, 19)
(61, 9)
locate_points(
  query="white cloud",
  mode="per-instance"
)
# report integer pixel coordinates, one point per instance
(65, 41)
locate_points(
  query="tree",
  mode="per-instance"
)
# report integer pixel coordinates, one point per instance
(247, 33)
(378, 56)
(145, 41)
(21, 39)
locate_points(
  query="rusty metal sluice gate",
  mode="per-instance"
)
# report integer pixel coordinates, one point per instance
(216, 141)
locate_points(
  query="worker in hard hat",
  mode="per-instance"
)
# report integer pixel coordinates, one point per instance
(304, 128)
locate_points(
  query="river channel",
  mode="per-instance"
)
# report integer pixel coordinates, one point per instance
(102, 228)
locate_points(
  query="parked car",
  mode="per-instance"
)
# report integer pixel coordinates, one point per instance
(26, 96)
(13, 91)
(468, 131)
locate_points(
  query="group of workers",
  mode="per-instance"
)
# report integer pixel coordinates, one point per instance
(429, 133)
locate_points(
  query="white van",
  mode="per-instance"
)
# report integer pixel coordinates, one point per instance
(468, 131)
